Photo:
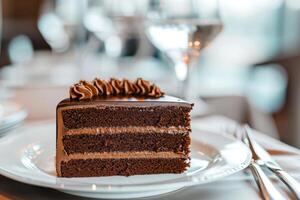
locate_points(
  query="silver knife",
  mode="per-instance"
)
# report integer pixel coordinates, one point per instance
(266, 160)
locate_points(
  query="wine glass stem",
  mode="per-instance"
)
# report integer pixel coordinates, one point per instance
(183, 75)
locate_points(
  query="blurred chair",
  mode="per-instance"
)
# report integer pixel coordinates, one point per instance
(289, 127)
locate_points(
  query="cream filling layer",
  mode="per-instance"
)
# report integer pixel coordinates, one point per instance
(128, 129)
(118, 155)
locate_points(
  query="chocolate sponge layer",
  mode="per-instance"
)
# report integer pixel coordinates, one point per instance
(123, 116)
(123, 167)
(156, 142)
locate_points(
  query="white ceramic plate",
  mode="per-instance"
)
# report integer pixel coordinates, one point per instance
(11, 114)
(28, 156)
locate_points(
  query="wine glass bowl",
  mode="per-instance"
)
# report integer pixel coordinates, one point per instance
(182, 35)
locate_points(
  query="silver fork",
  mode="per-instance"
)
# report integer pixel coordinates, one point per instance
(266, 187)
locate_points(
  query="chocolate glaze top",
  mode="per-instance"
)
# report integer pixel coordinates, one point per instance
(127, 101)
(114, 87)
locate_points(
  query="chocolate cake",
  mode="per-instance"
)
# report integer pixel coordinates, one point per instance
(119, 127)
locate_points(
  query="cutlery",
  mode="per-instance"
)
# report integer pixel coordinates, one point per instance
(267, 189)
(266, 160)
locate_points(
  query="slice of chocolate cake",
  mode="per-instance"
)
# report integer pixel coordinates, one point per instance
(121, 128)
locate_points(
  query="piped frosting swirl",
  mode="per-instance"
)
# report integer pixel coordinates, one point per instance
(104, 88)
(83, 90)
(114, 87)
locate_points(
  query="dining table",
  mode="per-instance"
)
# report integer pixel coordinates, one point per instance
(237, 186)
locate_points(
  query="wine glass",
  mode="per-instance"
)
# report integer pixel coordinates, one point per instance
(181, 29)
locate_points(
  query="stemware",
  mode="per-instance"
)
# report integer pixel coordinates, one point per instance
(182, 33)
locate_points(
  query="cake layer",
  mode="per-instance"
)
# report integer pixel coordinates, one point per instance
(123, 167)
(113, 116)
(122, 142)
(112, 156)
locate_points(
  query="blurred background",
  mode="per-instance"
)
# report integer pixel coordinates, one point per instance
(247, 72)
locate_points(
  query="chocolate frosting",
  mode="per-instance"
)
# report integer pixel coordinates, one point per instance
(83, 90)
(104, 88)
(117, 86)
(114, 87)
(129, 87)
